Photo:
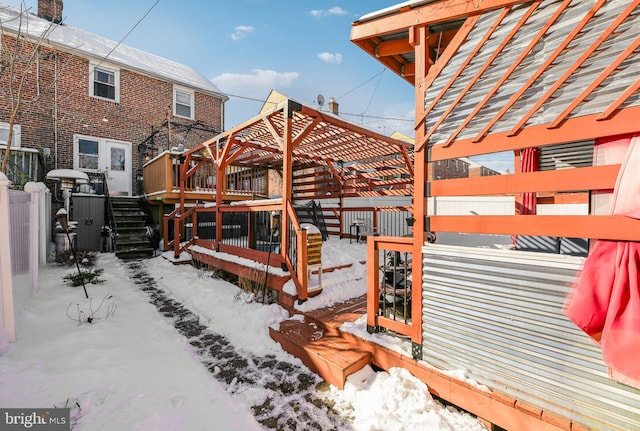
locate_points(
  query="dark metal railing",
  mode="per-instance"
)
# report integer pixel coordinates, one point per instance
(389, 290)
(395, 286)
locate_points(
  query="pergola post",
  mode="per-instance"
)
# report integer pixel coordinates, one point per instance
(287, 171)
(420, 191)
(183, 164)
(220, 189)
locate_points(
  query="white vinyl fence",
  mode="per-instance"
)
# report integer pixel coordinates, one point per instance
(24, 229)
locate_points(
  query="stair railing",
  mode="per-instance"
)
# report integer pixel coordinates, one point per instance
(110, 216)
(179, 221)
(166, 242)
(296, 256)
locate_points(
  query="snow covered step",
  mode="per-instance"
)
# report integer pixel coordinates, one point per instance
(333, 316)
(330, 356)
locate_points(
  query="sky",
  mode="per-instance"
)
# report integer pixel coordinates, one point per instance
(249, 47)
(131, 368)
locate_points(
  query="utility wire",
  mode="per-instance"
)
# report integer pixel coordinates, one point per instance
(253, 99)
(128, 33)
(378, 117)
(375, 90)
(358, 86)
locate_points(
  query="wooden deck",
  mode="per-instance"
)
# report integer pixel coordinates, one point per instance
(317, 340)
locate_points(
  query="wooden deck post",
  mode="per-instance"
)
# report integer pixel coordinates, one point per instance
(287, 171)
(220, 184)
(420, 192)
(178, 221)
(373, 282)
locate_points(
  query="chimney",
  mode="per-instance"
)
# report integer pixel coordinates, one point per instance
(333, 106)
(50, 10)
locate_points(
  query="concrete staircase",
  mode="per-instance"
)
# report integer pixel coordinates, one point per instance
(132, 240)
(316, 339)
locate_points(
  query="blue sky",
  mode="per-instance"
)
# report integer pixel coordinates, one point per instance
(248, 47)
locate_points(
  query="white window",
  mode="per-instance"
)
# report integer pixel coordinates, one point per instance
(183, 103)
(88, 152)
(4, 135)
(104, 83)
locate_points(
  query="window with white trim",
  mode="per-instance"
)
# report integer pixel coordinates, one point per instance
(88, 152)
(4, 135)
(104, 83)
(183, 103)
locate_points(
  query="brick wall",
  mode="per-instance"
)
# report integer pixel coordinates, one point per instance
(144, 105)
(448, 169)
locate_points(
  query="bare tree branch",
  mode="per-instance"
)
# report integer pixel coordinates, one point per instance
(19, 68)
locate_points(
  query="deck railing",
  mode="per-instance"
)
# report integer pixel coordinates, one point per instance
(176, 223)
(161, 177)
(249, 231)
(389, 289)
(159, 174)
(296, 257)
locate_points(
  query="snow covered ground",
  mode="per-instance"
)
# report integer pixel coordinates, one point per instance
(135, 367)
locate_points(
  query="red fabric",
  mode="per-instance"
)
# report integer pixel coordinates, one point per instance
(528, 163)
(606, 300)
(606, 303)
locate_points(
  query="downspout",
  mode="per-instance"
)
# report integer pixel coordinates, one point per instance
(55, 113)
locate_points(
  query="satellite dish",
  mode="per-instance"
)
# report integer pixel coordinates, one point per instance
(320, 100)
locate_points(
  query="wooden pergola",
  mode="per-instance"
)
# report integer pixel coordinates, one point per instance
(319, 156)
(293, 136)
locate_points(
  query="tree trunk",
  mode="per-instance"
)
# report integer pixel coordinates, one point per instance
(7, 151)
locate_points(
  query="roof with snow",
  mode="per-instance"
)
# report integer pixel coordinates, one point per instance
(75, 40)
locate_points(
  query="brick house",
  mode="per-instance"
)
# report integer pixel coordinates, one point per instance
(91, 104)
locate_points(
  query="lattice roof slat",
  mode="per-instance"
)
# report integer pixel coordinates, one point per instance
(317, 139)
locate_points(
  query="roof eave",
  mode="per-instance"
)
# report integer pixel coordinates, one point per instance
(405, 17)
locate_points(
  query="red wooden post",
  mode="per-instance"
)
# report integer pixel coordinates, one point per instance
(373, 285)
(287, 170)
(420, 192)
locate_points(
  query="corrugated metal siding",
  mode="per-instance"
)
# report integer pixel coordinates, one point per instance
(580, 79)
(498, 315)
(564, 156)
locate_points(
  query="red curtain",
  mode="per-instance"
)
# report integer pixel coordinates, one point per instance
(605, 301)
(528, 163)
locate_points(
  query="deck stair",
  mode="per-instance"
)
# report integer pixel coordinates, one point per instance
(132, 239)
(316, 339)
(312, 213)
